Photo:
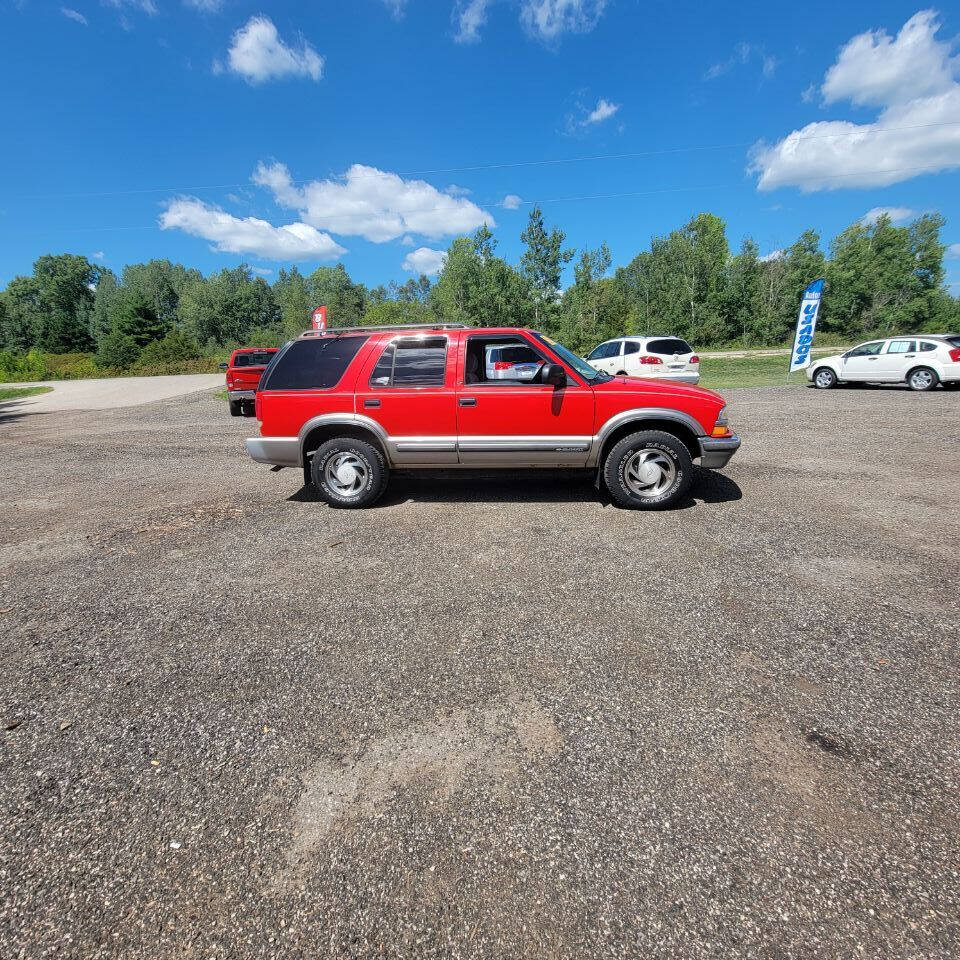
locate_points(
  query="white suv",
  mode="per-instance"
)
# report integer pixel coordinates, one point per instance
(668, 357)
(920, 360)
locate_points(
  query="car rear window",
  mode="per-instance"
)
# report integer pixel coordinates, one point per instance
(313, 364)
(669, 346)
(259, 359)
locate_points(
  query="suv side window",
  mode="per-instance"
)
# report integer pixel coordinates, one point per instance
(312, 364)
(606, 350)
(926, 346)
(902, 346)
(412, 362)
(631, 346)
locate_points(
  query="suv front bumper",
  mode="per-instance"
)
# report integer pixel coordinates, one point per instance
(715, 452)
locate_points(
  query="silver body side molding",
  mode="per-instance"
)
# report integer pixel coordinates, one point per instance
(489, 451)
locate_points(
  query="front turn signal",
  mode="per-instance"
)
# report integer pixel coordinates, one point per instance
(720, 430)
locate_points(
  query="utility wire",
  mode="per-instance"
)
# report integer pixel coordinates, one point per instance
(669, 151)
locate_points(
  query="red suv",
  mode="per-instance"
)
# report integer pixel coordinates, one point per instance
(349, 405)
(243, 377)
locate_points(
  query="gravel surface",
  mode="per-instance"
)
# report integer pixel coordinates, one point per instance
(486, 718)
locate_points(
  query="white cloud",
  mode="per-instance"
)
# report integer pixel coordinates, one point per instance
(604, 110)
(373, 204)
(896, 215)
(425, 260)
(773, 255)
(258, 54)
(511, 202)
(454, 191)
(73, 15)
(742, 54)
(769, 66)
(917, 131)
(547, 20)
(876, 70)
(407, 241)
(261, 271)
(204, 6)
(99, 255)
(397, 8)
(953, 251)
(229, 234)
(469, 16)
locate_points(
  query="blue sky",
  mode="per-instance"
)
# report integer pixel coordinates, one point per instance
(372, 131)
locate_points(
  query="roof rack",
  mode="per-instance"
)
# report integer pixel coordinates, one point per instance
(386, 327)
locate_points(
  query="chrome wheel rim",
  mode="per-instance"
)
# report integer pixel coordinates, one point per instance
(346, 474)
(922, 378)
(823, 379)
(649, 473)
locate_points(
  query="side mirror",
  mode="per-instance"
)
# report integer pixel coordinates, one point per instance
(554, 375)
(223, 366)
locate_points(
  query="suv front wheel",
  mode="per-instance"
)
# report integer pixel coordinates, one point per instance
(349, 473)
(650, 470)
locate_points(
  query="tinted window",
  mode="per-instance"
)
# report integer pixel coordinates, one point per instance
(412, 363)
(605, 350)
(953, 341)
(259, 359)
(902, 346)
(669, 346)
(312, 364)
(241, 360)
(631, 346)
(925, 346)
(867, 349)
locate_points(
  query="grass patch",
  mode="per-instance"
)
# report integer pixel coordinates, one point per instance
(16, 393)
(718, 373)
(221, 395)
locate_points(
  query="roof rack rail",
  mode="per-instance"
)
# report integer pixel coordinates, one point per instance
(386, 327)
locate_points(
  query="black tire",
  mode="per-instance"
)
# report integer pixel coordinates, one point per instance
(824, 378)
(952, 385)
(368, 464)
(620, 464)
(622, 373)
(235, 408)
(922, 379)
(248, 408)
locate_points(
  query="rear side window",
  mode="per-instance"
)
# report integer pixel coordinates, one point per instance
(926, 346)
(631, 346)
(902, 346)
(416, 362)
(669, 346)
(314, 364)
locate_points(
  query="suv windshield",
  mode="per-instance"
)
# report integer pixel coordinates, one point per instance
(590, 374)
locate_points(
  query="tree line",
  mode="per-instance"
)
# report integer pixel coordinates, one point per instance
(882, 279)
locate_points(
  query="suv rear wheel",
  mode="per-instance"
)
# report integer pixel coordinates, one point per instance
(649, 470)
(349, 473)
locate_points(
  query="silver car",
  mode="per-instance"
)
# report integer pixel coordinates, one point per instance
(510, 361)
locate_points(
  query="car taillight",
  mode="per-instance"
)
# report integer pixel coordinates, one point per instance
(650, 360)
(229, 379)
(502, 365)
(955, 355)
(694, 359)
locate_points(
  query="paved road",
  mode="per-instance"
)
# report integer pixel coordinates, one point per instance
(486, 719)
(106, 394)
(768, 352)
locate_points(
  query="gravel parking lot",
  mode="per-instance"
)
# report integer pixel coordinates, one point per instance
(486, 718)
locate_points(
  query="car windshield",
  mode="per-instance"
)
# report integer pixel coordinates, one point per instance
(590, 374)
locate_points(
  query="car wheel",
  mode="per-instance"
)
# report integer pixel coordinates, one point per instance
(622, 373)
(650, 470)
(349, 473)
(235, 408)
(923, 378)
(824, 379)
(248, 408)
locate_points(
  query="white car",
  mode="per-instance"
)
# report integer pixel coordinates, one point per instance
(510, 361)
(667, 357)
(920, 360)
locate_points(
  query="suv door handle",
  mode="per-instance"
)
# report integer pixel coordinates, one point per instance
(467, 401)
(371, 403)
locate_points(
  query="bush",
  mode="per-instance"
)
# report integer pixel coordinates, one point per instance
(26, 367)
(117, 350)
(174, 347)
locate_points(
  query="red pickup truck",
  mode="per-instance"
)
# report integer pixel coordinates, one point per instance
(244, 370)
(349, 405)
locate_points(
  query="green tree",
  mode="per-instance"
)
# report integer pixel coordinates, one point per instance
(293, 298)
(133, 316)
(160, 282)
(222, 309)
(345, 300)
(542, 264)
(117, 351)
(174, 346)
